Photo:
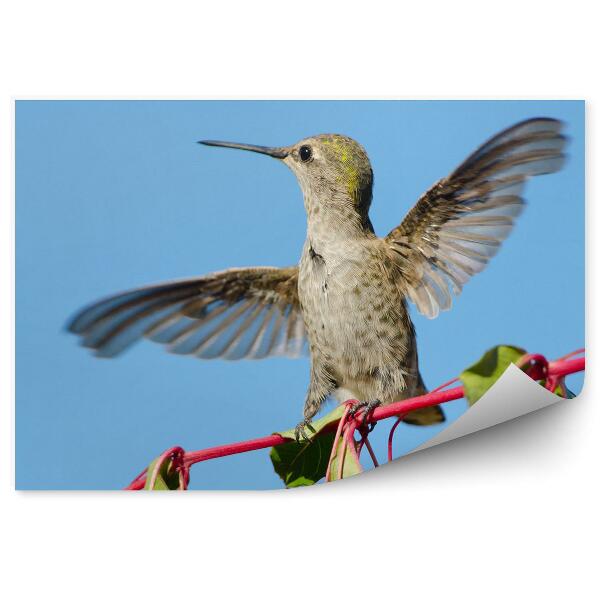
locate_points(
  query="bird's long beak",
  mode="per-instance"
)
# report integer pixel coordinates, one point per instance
(274, 152)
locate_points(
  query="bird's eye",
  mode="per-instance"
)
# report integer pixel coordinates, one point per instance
(305, 153)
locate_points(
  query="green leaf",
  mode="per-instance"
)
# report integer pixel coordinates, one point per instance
(166, 479)
(351, 465)
(480, 377)
(305, 463)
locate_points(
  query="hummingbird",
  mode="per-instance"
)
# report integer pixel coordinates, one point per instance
(346, 302)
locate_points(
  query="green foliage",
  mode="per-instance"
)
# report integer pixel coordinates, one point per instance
(305, 463)
(482, 375)
(166, 479)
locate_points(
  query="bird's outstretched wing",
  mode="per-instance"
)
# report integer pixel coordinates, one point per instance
(458, 225)
(233, 314)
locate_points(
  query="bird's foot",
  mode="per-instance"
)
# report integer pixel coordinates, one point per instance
(366, 408)
(300, 431)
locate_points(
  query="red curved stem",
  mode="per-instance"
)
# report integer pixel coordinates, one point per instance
(391, 435)
(559, 368)
(235, 448)
(370, 450)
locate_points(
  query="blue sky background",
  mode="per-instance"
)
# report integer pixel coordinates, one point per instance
(115, 194)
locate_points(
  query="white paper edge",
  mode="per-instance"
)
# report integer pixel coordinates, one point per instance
(513, 395)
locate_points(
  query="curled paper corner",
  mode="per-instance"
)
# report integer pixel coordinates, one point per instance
(513, 395)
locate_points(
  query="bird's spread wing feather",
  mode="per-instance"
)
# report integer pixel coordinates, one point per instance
(457, 226)
(233, 314)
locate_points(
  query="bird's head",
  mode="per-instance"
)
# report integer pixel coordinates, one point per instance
(333, 171)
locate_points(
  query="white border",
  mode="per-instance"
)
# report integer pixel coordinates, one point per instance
(511, 512)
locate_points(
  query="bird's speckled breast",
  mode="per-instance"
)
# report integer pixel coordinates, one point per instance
(356, 317)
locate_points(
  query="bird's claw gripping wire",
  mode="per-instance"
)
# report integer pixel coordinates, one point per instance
(366, 408)
(300, 431)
